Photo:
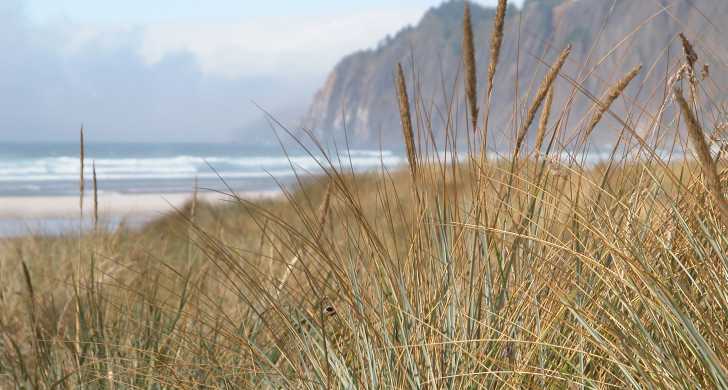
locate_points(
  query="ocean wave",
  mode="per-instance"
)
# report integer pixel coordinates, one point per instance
(66, 168)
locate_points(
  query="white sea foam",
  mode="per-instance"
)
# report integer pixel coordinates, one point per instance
(66, 168)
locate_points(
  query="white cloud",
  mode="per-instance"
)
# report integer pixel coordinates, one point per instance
(270, 45)
(56, 76)
(275, 46)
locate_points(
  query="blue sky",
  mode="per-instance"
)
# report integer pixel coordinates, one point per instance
(146, 70)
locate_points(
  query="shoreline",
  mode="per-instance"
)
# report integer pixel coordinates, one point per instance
(110, 204)
(21, 215)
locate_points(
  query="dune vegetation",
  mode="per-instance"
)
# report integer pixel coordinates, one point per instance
(534, 269)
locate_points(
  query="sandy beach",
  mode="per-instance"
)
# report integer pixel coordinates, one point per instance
(110, 205)
(53, 214)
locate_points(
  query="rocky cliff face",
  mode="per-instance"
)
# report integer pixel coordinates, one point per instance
(608, 37)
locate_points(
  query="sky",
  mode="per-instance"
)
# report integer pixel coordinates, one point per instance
(175, 70)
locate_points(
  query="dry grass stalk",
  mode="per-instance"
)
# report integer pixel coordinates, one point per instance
(404, 112)
(690, 55)
(110, 379)
(324, 209)
(193, 206)
(82, 183)
(190, 227)
(323, 215)
(496, 40)
(544, 121)
(611, 95)
(471, 80)
(77, 271)
(96, 196)
(697, 138)
(705, 72)
(543, 90)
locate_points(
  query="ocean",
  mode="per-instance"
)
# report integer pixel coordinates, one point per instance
(51, 169)
(32, 173)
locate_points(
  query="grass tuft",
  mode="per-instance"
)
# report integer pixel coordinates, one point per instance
(455, 273)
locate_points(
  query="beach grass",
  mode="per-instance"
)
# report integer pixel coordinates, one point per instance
(532, 270)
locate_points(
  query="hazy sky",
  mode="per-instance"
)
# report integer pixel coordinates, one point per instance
(174, 69)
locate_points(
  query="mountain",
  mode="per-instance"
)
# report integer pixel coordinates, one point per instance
(608, 38)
